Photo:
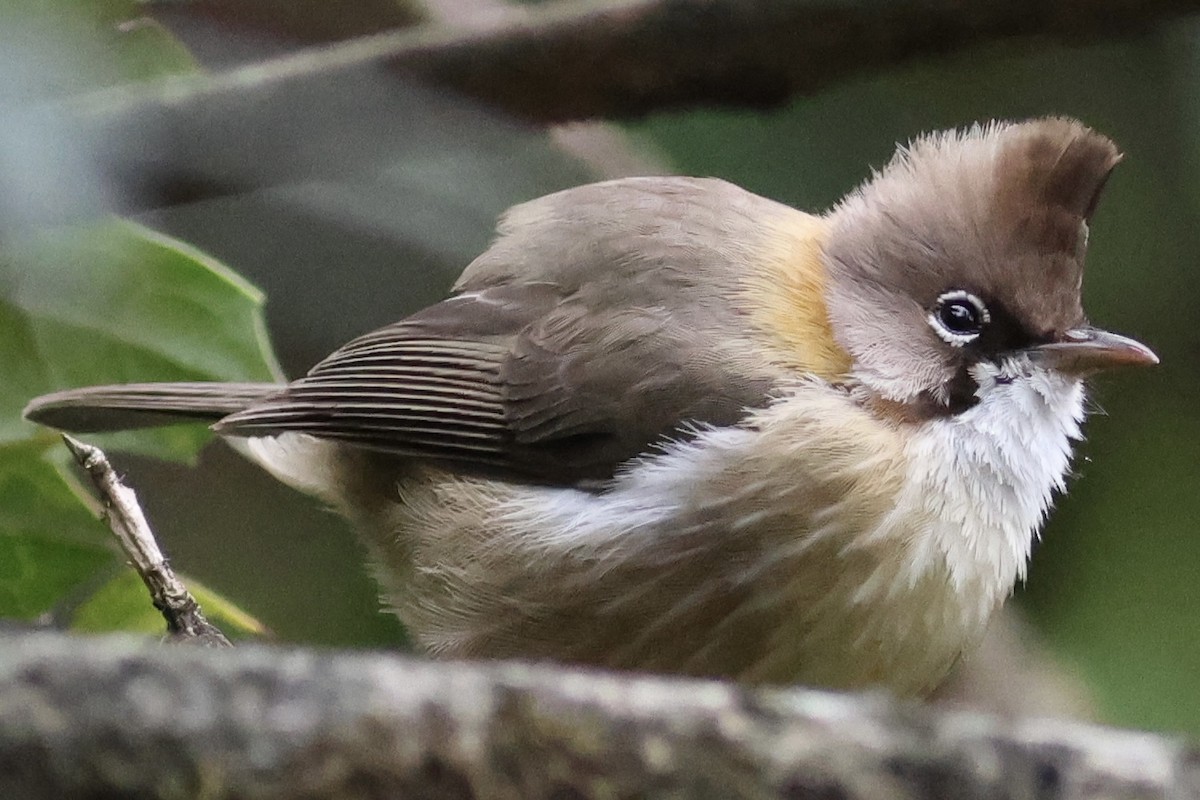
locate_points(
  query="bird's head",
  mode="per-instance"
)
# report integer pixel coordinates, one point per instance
(959, 265)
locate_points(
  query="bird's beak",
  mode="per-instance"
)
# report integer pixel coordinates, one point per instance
(1085, 350)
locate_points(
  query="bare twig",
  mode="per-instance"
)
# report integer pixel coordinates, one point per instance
(185, 620)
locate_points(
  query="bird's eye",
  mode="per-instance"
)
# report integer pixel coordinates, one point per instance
(959, 317)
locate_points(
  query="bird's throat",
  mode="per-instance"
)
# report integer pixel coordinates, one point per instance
(989, 474)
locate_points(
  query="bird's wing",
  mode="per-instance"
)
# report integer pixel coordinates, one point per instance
(515, 382)
(602, 320)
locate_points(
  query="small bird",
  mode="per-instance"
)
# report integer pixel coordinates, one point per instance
(666, 424)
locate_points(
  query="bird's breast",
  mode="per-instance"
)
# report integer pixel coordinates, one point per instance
(814, 544)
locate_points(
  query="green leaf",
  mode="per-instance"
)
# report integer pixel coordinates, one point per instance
(70, 47)
(106, 302)
(115, 302)
(36, 573)
(37, 498)
(50, 543)
(123, 604)
(224, 613)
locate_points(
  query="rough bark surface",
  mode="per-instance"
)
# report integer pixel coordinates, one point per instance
(117, 717)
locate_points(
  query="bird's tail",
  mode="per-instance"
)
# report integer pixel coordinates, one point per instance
(143, 405)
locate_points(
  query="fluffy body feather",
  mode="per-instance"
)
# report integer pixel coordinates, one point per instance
(813, 544)
(667, 424)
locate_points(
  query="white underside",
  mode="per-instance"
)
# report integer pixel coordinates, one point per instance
(988, 475)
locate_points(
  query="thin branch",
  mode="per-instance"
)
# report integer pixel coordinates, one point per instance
(185, 620)
(112, 717)
(333, 110)
(583, 59)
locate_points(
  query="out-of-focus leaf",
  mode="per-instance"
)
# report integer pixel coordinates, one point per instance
(52, 52)
(105, 302)
(28, 588)
(50, 543)
(123, 604)
(58, 48)
(37, 499)
(115, 302)
(223, 612)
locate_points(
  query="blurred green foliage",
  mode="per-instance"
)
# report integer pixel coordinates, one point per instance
(101, 301)
(50, 543)
(120, 604)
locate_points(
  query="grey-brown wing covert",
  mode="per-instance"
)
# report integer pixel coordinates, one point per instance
(600, 322)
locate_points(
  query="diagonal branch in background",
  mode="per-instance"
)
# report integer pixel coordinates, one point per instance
(328, 111)
(114, 717)
(582, 59)
(338, 109)
(605, 149)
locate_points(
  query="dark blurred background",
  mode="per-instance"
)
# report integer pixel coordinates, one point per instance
(408, 180)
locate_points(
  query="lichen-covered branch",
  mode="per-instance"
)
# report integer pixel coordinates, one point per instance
(115, 717)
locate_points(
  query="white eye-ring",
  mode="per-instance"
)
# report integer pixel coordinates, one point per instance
(959, 317)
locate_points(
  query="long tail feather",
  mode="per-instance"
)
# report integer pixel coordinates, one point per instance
(142, 405)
